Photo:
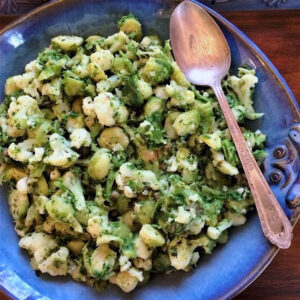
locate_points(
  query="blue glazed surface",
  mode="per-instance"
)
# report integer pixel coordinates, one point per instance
(231, 267)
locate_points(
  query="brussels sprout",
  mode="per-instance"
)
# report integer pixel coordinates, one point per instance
(114, 139)
(187, 122)
(67, 43)
(61, 209)
(73, 85)
(125, 281)
(131, 26)
(156, 70)
(144, 211)
(170, 119)
(122, 65)
(18, 204)
(103, 58)
(131, 94)
(153, 105)
(95, 72)
(178, 76)
(14, 173)
(212, 140)
(49, 73)
(94, 42)
(161, 263)
(102, 262)
(151, 236)
(99, 164)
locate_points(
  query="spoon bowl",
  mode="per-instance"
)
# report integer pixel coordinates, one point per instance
(209, 60)
(203, 55)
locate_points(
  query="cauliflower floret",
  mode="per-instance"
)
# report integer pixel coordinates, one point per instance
(19, 82)
(62, 155)
(109, 109)
(21, 152)
(128, 174)
(22, 185)
(33, 89)
(56, 264)
(53, 89)
(38, 244)
(38, 155)
(142, 250)
(88, 107)
(23, 112)
(183, 161)
(103, 58)
(180, 252)
(116, 41)
(80, 137)
(33, 66)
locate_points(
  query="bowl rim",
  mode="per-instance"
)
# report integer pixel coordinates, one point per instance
(272, 252)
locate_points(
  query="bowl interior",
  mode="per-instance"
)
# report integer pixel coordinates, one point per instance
(230, 267)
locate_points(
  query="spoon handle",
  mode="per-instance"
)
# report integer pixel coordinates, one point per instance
(276, 226)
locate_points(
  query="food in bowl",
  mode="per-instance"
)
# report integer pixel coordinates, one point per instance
(117, 166)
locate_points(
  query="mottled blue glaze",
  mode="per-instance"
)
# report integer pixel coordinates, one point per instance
(231, 267)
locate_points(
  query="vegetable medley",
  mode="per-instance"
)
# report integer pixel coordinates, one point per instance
(117, 166)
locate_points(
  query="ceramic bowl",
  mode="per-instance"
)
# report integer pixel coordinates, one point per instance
(231, 267)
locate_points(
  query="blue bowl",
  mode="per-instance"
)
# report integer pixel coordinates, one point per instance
(231, 267)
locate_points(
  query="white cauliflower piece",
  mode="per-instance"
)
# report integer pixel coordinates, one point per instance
(33, 66)
(21, 152)
(38, 244)
(103, 58)
(109, 109)
(38, 155)
(23, 112)
(128, 173)
(56, 264)
(88, 107)
(80, 137)
(22, 185)
(116, 41)
(22, 81)
(142, 250)
(62, 155)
